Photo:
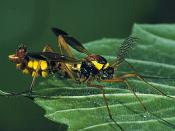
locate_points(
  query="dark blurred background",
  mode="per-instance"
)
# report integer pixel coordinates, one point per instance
(29, 22)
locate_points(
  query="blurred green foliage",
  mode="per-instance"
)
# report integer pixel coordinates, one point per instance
(29, 22)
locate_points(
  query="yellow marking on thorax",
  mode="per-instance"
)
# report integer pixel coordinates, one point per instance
(97, 65)
(100, 66)
(106, 66)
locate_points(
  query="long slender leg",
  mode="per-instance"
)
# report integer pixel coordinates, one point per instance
(124, 79)
(135, 75)
(131, 89)
(131, 66)
(106, 103)
(145, 109)
(118, 79)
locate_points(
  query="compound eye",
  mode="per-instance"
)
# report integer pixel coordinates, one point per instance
(21, 53)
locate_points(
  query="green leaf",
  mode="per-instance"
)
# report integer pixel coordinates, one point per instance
(82, 108)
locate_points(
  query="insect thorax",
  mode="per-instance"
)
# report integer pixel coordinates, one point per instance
(97, 66)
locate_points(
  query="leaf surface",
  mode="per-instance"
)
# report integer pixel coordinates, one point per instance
(82, 108)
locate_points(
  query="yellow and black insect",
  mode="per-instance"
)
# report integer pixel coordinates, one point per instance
(96, 68)
(92, 68)
(40, 63)
(28, 65)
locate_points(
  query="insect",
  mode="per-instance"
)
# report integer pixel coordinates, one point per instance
(87, 70)
(96, 68)
(40, 63)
